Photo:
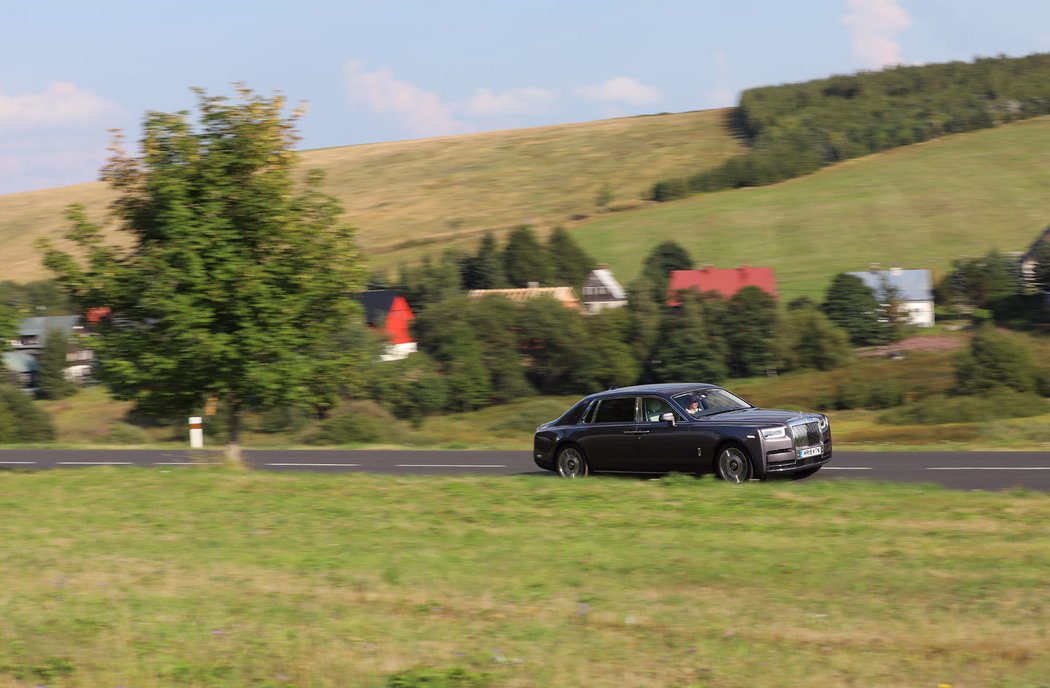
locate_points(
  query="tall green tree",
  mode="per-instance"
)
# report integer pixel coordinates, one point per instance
(808, 339)
(570, 263)
(687, 350)
(52, 382)
(234, 273)
(751, 332)
(851, 305)
(485, 270)
(658, 265)
(525, 260)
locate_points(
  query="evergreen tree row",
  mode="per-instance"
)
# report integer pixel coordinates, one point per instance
(795, 129)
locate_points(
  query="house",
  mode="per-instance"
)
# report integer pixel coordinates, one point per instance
(566, 296)
(601, 291)
(1028, 258)
(387, 309)
(913, 287)
(31, 338)
(726, 282)
(21, 368)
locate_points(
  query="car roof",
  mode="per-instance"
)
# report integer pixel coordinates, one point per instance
(668, 388)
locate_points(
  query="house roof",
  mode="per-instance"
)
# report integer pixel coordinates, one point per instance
(911, 285)
(40, 325)
(19, 362)
(566, 295)
(605, 276)
(724, 281)
(377, 304)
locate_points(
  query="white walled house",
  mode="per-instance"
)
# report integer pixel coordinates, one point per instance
(914, 288)
(602, 290)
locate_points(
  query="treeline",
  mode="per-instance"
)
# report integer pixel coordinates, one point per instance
(523, 259)
(795, 129)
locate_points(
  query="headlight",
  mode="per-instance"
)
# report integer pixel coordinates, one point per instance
(823, 423)
(774, 433)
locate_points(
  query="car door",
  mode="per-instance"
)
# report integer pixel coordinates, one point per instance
(609, 437)
(663, 447)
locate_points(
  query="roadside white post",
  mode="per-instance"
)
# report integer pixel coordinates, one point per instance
(196, 433)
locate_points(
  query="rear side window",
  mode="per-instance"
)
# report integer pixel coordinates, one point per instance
(615, 411)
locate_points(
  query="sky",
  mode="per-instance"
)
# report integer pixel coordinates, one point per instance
(400, 69)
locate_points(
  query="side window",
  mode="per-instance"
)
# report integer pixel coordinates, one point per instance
(615, 410)
(653, 408)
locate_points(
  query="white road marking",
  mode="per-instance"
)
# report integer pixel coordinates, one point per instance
(95, 463)
(450, 465)
(317, 465)
(991, 468)
(17, 463)
(846, 468)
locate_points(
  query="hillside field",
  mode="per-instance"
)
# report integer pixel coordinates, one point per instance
(410, 198)
(918, 207)
(202, 577)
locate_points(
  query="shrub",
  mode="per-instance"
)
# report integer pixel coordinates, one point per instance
(21, 420)
(995, 359)
(455, 677)
(359, 422)
(125, 433)
(851, 394)
(884, 393)
(996, 405)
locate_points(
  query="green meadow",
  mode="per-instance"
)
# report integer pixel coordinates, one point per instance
(918, 207)
(204, 577)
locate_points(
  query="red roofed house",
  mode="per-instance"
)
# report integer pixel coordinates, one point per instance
(389, 309)
(726, 282)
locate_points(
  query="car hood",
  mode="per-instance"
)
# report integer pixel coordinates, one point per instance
(756, 416)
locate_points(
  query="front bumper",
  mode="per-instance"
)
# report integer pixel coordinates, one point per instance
(543, 451)
(781, 456)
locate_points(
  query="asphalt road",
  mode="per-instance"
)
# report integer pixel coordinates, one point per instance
(960, 470)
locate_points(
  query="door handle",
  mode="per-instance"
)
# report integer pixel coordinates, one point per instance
(636, 432)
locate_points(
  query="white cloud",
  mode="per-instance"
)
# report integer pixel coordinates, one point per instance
(60, 104)
(420, 112)
(621, 89)
(872, 26)
(516, 101)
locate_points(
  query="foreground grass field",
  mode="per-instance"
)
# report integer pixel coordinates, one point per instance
(200, 577)
(920, 207)
(410, 198)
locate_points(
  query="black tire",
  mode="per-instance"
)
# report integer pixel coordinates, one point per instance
(571, 463)
(733, 464)
(804, 473)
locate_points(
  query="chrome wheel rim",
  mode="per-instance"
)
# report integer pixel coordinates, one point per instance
(733, 466)
(570, 464)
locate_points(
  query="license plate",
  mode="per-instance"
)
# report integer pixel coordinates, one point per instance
(812, 451)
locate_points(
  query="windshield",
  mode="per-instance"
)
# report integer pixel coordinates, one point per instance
(704, 402)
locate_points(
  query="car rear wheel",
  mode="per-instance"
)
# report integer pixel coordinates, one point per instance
(734, 465)
(571, 463)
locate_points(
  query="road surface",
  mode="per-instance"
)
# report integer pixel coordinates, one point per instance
(960, 470)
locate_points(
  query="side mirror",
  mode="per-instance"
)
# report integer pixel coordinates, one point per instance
(667, 418)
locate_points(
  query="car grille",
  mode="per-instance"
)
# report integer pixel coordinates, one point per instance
(806, 434)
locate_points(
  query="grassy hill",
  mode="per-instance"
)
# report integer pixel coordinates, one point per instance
(919, 206)
(409, 198)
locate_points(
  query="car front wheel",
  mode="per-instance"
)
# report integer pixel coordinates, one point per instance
(734, 465)
(571, 463)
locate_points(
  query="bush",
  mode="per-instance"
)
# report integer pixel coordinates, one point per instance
(997, 404)
(885, 393)
(437, 678)
(125, 433)
(851, 394)
(359, 422)
(995, 359)
(21, 420)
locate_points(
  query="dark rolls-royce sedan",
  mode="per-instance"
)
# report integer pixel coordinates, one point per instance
(689, 428)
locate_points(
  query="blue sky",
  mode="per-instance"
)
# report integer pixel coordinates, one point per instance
(397, 69)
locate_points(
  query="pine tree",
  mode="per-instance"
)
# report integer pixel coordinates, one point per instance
(485, 269)
(52, 382)
(851, 305)
(658, 265)
(571, 264)
(687, 352)
(525, 260)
